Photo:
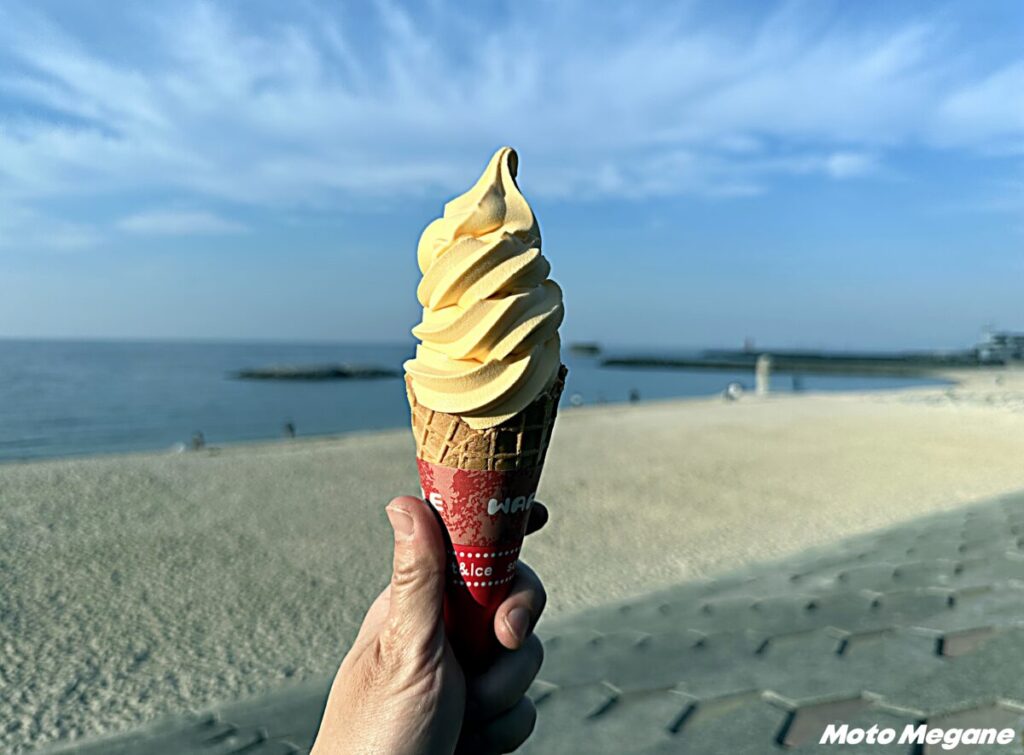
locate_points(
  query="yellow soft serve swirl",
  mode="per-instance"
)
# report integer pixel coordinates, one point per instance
(489, 335)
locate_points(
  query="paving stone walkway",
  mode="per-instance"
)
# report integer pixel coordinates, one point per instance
(920, 623)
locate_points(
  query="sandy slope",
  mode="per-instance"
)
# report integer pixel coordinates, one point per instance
(140, 585)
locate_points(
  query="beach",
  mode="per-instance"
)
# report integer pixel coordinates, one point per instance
(144, 585)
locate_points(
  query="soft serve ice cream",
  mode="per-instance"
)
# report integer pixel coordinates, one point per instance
(489, 335)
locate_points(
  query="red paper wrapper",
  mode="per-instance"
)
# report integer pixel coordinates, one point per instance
(484, 515)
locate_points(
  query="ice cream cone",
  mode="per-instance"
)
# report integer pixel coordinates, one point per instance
(482, 484)
(484, 388)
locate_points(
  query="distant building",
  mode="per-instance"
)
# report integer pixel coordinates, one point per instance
(1001, 346)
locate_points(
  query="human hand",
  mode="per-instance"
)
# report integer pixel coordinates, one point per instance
(400, 689)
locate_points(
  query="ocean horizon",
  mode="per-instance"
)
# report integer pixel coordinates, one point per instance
(66, 397)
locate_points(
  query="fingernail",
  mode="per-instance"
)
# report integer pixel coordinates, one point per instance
(401, 523)
(518, 622)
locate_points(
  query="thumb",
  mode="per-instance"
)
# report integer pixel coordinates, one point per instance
(417, 578)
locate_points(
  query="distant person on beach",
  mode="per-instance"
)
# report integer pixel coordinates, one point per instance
(400, 689)
(733, 391)
(198, 441)
(289, 429)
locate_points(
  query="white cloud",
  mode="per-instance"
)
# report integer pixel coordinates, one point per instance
(179, 223)
(850, 164)
(318, 111)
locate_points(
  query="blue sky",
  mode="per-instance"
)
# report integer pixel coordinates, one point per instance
(811, 174)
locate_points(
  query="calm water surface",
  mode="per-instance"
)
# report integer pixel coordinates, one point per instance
(63, 398)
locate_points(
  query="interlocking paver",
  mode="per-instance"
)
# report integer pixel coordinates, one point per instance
(806, 722)
(863, 576)
(953, 644)
(874, 715)
(995, 715)
(923, 621)
(634, 722)
(746, 723)
(939, 571)
(991, 672)
(570, 715)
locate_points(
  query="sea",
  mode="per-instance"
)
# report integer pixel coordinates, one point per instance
(73, 398)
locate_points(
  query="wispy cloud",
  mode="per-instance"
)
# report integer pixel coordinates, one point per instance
(319, 108)
(850, 164)
(992, 107)
(25, 229)
(179, 223)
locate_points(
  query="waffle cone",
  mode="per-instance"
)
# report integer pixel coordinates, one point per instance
(520, 442)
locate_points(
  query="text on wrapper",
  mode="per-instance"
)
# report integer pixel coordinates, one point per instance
(494, 506)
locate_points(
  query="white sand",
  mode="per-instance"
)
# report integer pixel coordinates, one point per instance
(136, 586)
